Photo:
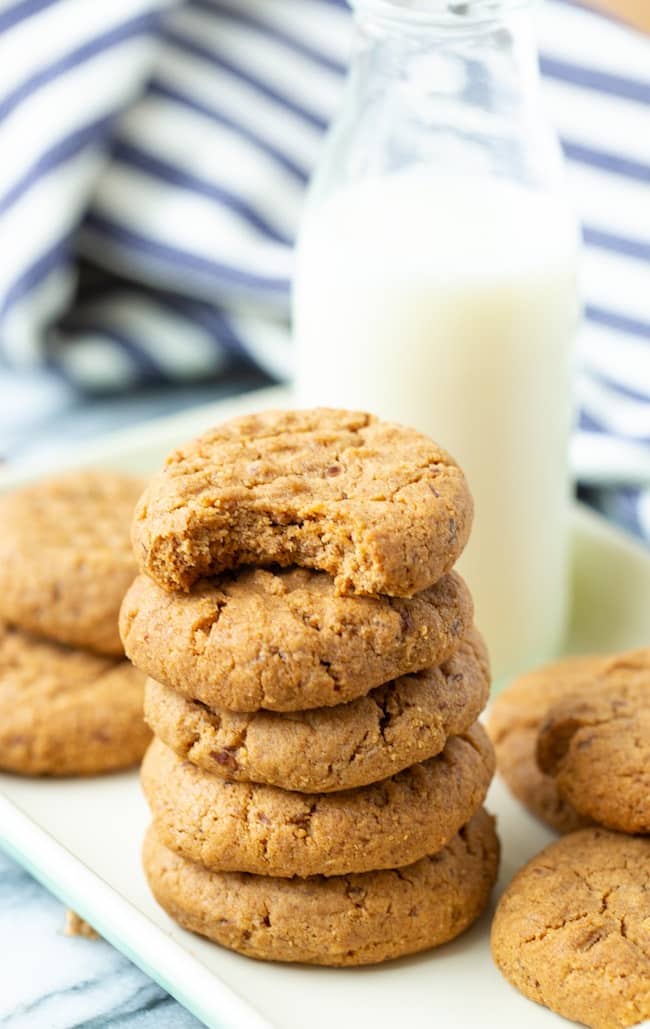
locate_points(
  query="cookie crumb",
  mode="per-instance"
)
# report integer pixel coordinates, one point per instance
(75, 925)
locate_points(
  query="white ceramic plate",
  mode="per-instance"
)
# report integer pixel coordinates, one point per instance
(82, 838)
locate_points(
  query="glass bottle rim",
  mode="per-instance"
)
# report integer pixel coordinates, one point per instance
(442, 14)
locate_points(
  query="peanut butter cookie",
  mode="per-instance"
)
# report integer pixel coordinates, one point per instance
(332, 748)
(379, 507)
(284, 640)
(235, 826)
(596, 745)
(342, 920)
(65, 556)
(67, 712)
(514, 720)
(572, 931)
(517, 715)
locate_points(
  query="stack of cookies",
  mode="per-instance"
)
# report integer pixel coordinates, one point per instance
(69, 702)
(317, 775)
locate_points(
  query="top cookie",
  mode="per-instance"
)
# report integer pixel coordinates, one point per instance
(65, 557)
(596, 746)
(380, 507)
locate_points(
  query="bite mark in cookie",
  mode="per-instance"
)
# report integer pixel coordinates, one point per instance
(262, 490)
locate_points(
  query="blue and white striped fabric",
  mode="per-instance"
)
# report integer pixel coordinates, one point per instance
(154, 160)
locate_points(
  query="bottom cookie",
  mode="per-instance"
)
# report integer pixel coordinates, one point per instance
(342, 920)
(65, 711)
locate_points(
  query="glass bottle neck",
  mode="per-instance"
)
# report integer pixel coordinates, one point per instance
(446, 85)
(435, 16)
(480, 57)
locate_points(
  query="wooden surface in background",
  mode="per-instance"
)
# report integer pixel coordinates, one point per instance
(636, 12)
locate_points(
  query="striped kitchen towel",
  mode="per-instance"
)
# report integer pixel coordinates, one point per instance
(154, 160)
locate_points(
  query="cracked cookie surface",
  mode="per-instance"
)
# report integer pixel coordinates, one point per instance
(67, 712)
(65, 556)
(333, 748)
(380, 507)
(246, 827)
(595, 745)
(283, 640)
(572, 931)
(343, 920)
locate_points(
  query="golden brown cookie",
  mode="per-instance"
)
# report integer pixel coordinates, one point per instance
(332, 748)
(572, 931)
(65, 556)
(380, 507)
(283, 640)
(514, 719)
(67, 712)
(245, 827)
(341, 920)
(596, 746)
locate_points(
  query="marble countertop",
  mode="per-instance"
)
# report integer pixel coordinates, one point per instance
(52, 981)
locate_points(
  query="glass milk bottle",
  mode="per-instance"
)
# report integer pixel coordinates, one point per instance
(435, 284)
